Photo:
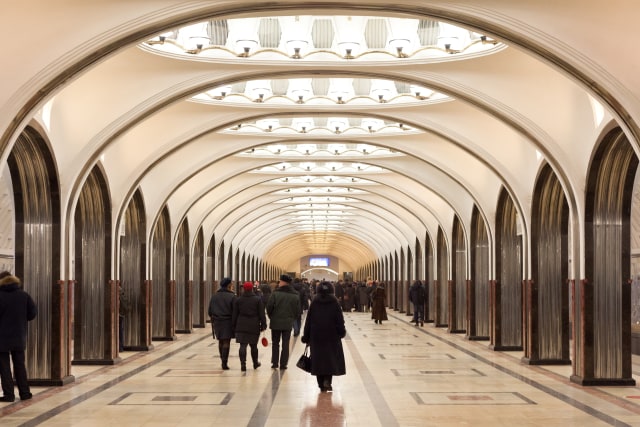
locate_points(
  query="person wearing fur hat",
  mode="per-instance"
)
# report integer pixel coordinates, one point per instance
(248, 321)
(221, 311)
(16, 309)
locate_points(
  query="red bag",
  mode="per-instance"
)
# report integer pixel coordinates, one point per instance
(264, 341)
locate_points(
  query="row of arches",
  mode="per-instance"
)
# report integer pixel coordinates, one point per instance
(170, 282)
(167, 280)
(545, 313)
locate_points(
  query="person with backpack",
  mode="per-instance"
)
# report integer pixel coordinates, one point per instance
(417, 295)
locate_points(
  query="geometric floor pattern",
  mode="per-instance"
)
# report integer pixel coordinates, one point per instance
(397, 375)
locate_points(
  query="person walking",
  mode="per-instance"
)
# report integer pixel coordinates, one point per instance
(221, 312)
(283, 308)
(363, 297)
(248, 321)
(339, 293)
(17, 308)
(123, 311)
(265, 291)
(349, 297)
(378, 304)
(417, 296)
(323, 331)
(304, 304)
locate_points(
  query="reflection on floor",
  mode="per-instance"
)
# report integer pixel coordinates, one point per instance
(397, 375)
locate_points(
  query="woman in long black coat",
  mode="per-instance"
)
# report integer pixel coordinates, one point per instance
(323, 331)
(248, 321)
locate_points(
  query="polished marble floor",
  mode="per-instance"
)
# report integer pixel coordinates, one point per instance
(397, 375)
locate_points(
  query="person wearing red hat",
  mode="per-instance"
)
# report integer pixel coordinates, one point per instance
(248, 321)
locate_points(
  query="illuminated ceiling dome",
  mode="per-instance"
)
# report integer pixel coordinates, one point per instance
(321, 92)
(323, 38)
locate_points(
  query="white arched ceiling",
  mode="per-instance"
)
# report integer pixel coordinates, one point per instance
(102, 98)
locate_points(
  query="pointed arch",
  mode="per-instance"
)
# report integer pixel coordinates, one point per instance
(458, 289)
(547, 327)
(478, 294)
(133, 250)
(36, 199)
(95, 319)
(163, 325)
(603, 347)
(441, 293)
(507, 298)
(200, 301)
(184, 295)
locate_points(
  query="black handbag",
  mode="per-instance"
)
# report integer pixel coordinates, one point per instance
(304, 362)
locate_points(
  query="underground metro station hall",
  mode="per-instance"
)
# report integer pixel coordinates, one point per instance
(487, 149)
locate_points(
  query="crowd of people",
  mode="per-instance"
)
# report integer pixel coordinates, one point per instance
(244, 317)
(241, 317)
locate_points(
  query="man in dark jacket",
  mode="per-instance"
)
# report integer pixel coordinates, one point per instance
(304, 300)
(283, 308)
(417, 296)
(16, 309)
(221, 311)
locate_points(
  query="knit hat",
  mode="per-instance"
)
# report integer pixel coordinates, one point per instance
(285, 278)
(225, 282)
(325, 288)
(247, 286)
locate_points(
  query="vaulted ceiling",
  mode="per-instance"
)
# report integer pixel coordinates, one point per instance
(347, 129)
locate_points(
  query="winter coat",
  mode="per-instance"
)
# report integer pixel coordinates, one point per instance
(248, 318)
(349, 297)
(378, 303)
(266, 293)
(323, 331)
(363, 296)
(16, 309)
(339, 291)
(283, 308)
(417, 294)
(221, 311)
(303, 292)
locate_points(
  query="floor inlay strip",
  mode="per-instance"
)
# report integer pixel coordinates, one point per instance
(104, 386)
(570, 401)
(385, 415)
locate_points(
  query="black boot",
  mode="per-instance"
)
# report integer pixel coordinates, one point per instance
(254, 357)
(225, 357)
(243, 357)
(327, 383)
